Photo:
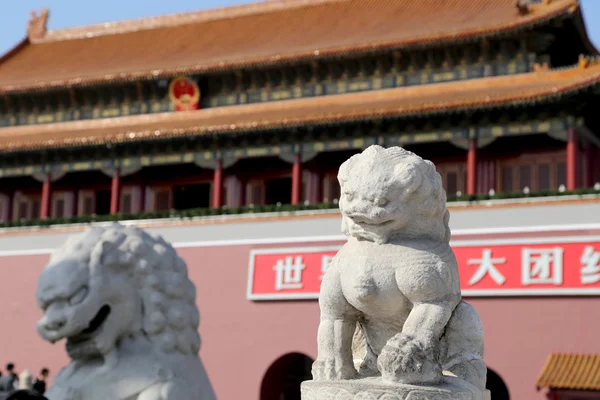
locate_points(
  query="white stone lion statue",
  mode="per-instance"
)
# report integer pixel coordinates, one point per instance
(396, 279)
(123, 301)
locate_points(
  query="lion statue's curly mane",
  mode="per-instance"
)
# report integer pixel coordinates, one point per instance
(406, 188)
(170, 317)
(126, 295)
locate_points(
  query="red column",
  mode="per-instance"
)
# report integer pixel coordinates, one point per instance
(297, 179)
(142, 204)
(115, 192)
(472, 167)
(318, 188)
(75, 209)
(492, 175)
(321, 191)
(243, 188)
(46, 188)
(596, 165)
(9, 205)
(217, 195)
(588, 162)
(572, 159)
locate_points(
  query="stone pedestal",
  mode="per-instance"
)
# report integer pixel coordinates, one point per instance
(450, 388)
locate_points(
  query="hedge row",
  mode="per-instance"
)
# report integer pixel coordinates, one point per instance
(203, 212)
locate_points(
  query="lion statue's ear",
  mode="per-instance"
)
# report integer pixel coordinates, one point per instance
(346, 168)
(97, 254)
(411, 177)
(107, 253)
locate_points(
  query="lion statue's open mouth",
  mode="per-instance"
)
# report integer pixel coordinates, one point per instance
(85, 337)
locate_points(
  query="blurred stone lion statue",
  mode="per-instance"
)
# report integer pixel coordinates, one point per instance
(127, 309)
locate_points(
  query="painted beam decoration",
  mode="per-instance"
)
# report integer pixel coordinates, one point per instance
(561, 266)
(184, 94)
(556, 127)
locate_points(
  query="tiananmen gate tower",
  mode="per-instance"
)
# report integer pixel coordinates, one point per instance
(223, 130)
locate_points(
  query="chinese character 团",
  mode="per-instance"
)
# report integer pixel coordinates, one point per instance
(325, 261)
(590, 261)
(542, 266)
(288, 273)
(487, 265)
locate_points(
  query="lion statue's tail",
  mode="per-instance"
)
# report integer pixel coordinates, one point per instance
(461, 351)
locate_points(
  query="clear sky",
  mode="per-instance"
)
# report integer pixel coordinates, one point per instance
(66, 13)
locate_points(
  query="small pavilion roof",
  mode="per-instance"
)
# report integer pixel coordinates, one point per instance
(256, 34)
(571, 372)
(489, 92)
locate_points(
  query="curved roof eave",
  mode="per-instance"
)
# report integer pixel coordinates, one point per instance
(161, 67)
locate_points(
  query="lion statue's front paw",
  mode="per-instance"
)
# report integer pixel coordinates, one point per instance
(330, 369)
(405, 359)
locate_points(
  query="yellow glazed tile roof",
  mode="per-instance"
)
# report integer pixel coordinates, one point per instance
(398, 102)
(571, 371)
(255, 34)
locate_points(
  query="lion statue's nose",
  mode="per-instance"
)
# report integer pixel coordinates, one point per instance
(55, 324)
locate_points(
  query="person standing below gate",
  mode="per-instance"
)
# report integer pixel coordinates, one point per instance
(8, 382)
(39, 384)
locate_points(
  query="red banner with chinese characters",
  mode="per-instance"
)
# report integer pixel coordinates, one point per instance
(500, 268)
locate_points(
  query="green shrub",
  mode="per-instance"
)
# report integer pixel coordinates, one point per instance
(258, 209)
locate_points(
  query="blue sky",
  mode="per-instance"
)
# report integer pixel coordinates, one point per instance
(67, 13)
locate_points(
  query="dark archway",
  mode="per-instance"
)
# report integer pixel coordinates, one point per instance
(283, 378)
(496, 386)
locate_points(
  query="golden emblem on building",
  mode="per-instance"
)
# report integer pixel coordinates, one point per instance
(184, 93)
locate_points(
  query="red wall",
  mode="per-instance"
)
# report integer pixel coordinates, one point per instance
(19, 341)
(241, 339)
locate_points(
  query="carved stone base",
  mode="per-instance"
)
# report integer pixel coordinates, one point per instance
(451, 388)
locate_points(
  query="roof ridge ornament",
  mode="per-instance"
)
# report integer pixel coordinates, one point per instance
(522, 6)
(588, 61)
(38, 24)
(543, 67)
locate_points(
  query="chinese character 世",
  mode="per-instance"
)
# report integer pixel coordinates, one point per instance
(325, 261)
(590, 270)
(487, 266)
(288, 273)
(542, 266)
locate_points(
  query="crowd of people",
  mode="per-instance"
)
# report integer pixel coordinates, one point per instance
(22, 386)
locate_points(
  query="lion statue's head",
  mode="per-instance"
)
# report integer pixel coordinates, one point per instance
(117, 282)
(387, 193)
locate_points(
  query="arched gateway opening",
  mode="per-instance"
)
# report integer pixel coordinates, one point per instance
(496, 386)
(283, 378)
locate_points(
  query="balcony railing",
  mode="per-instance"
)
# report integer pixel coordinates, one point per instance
(286, 208)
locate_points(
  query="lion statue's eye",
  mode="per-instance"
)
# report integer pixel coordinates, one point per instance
(78, 296)
(44, 306)
(349, 196)
(382, 202)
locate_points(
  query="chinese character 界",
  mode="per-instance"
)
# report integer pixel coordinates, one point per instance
(542, 266)
(590, 270)
(288, 273)
(487, 266)
(325, 261)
